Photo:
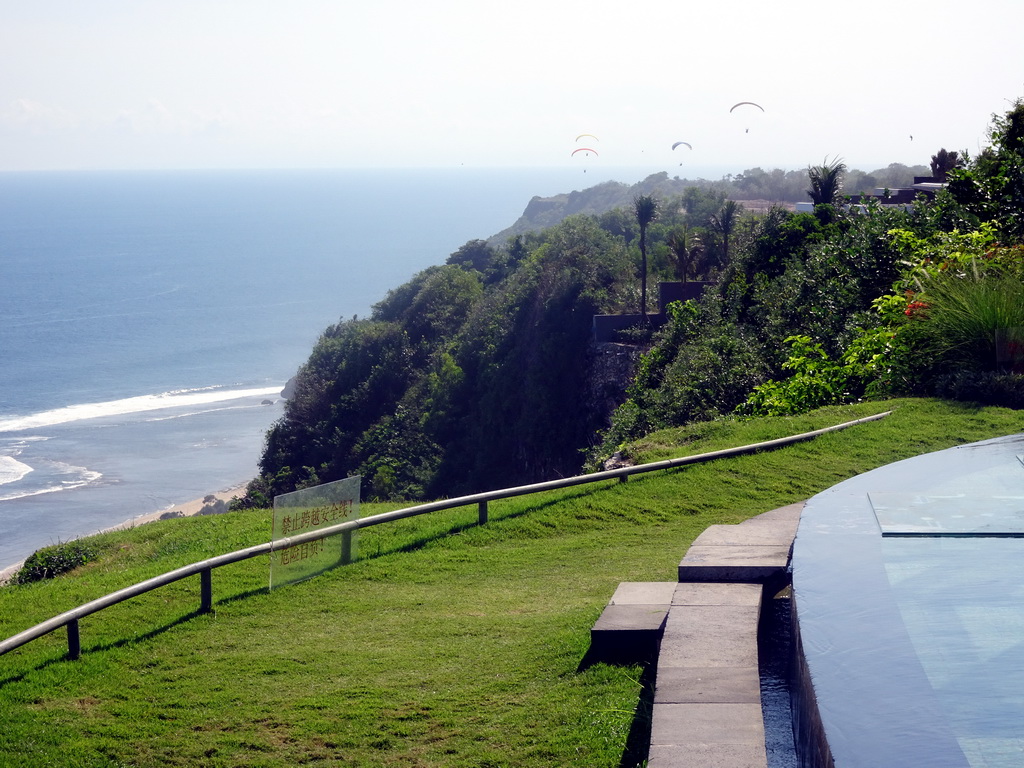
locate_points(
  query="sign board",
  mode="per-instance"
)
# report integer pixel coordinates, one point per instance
(321, 506)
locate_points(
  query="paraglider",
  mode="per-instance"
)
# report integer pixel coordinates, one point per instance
(682, 142)
(586, 150)
(746, 103)
(741, 103)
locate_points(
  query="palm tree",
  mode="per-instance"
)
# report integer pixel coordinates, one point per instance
(826, 181)
(724, 222)
(678, 244)
(646, 209)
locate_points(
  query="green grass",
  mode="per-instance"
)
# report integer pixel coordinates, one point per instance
(446, 644)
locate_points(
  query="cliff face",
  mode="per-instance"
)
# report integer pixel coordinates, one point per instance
(611, 373)
(544, 212)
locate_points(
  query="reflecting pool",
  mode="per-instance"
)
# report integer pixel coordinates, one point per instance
(908, 591)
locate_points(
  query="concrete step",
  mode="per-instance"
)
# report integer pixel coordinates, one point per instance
(754, 551)
(702, 634)
(707, 696)
(630, 626)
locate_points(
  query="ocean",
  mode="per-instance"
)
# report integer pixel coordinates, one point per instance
(149, 320)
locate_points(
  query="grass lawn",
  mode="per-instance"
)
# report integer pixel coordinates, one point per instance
(444, 644)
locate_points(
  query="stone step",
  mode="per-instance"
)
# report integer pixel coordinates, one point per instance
(630, 626)
(754, 551)
(702, 634)
(707, 696)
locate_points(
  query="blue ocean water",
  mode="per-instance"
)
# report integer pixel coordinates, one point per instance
(147, 317)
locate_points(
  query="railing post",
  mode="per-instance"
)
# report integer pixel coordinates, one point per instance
(482, 513)
(206, 590)
(623, 478)
(74, 642)
(346, 547)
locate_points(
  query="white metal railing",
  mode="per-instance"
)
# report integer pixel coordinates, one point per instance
(205, 568)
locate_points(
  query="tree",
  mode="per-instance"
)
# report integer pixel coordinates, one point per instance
(943, 162)
(646, 209)
(990, 187)
(826, 181)
(724, 223)
(688, 250)
(677, 243)
(859, 182)
(476, 254)
(701, 204)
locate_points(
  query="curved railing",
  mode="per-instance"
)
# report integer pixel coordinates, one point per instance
(205, 568)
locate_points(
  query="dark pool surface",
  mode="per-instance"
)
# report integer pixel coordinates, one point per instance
(908, 584)
(775, 655)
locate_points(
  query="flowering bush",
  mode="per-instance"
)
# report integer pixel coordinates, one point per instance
(916, 309)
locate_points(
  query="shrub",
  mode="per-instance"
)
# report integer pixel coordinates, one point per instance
(875, 364)
(48, 562)
(963, 316)
(983, 387)
(635, 334)
(816, 381)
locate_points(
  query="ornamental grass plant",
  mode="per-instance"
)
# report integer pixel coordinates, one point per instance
(963, 318)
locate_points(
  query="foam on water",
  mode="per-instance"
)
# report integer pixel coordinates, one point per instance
(12, 470)
(131, 405)
(59, 477)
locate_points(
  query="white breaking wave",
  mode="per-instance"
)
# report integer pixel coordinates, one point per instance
(68, 477)
(129, 405)
(12, 470)
(186, 414)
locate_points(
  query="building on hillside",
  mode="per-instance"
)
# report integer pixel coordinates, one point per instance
(904, 196)
(607, 327)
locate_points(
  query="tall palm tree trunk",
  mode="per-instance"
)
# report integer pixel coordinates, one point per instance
(646, 209)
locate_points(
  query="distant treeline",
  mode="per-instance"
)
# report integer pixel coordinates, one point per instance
(773, 186)
(482, 373)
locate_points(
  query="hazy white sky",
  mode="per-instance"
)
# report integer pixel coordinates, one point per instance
(138, 84)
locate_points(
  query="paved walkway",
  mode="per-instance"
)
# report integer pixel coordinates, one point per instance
(702, 631)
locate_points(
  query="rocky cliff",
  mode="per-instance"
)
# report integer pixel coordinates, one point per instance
(543, 212)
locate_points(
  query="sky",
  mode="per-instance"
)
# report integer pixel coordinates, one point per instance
(186, 84)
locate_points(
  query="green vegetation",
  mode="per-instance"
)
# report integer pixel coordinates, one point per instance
(481, 373)
(476, 374)
(826, 181)
(775, 186)
(48, 562)
(645, 208)
(844, 305)
(445, 644)
(455, 382)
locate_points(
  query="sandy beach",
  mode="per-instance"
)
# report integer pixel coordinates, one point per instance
(187, 509)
